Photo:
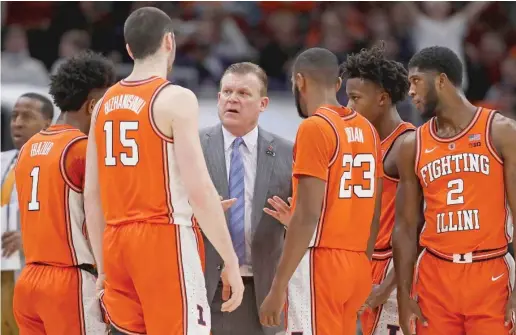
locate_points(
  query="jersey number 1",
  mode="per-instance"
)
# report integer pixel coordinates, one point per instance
(34, 203)
(126, 142)
(350, 163)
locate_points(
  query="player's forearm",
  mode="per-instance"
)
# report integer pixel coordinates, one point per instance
(95, 224)
(300, 231)
(208, 212)
(405, 254)
(375, 228)
(390, 280)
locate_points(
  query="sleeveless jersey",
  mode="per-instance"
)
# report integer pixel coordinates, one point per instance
(341, 147)
(49, 179)
(138, 175)
(390, 185)
(463, 186)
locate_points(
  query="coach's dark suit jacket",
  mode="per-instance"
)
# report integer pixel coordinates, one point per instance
(273, 177)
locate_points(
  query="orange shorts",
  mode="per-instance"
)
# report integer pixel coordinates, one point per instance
(326, 292)
(458, 298)
(57, 300)
(155, 280)
(384, 319)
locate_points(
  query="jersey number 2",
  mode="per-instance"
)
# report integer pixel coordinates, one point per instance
(126, 142)
(34, 203)
(350, 163)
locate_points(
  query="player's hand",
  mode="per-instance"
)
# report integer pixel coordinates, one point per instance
(11, 242)
(226, 288)
(100, 282)
(510, 313)
(281, 210)
(270, 310)
(227, 203)
(409, 311)
(378, 296)
(232, 275)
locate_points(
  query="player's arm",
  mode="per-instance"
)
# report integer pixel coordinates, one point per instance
(503, 132)
(95, 222)
(409, 197)
(177, 108)
(315, 147)
(375, 223)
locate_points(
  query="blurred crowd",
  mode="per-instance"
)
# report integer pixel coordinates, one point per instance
(37, 36)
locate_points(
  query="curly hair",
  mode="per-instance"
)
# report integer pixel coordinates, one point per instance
(371, 64)
(77, 77)
(440, 59)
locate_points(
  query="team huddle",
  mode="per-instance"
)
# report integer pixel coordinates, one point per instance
(406, 227)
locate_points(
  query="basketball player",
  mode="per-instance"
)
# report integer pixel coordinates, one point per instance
(336, 204)
(462, 163)
(55, 293)
(374, 85)
(148, 177)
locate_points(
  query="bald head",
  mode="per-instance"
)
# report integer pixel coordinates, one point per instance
(318, 64)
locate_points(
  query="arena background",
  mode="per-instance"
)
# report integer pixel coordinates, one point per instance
(38, 36)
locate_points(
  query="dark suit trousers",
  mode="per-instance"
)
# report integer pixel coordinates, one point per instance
(243, 320)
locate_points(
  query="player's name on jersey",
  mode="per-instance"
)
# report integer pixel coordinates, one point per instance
(124, 101)
(41, 148)
(449, 164)
(354, 134)
(460, 220)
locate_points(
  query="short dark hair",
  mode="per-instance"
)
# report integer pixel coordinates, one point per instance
(319, 64)
(77, 77)
(371, 64)
(439, 59)
(144, 30)
(47, 109)
(247, 68)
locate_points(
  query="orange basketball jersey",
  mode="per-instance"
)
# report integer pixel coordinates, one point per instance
(463, 186)
(342, 148)
(138, 175)
(49, 180)
(390, 185)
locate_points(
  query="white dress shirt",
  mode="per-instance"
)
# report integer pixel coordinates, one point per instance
(249, 153)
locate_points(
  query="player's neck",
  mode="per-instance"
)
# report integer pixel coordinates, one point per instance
(389, 121)
(70, 119)
(455, 113)
(148, 67)
(321, 98)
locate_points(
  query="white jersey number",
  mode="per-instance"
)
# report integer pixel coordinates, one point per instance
(34, 203)
(455, 189)
(351, 163)
(130, 143)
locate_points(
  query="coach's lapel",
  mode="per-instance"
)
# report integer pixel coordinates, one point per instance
(215, 160)
(264, 168)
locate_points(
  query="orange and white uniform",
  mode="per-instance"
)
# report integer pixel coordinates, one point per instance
(384, 319)
(465, 275)
(152, 244)
(55, 293)
(333, 279)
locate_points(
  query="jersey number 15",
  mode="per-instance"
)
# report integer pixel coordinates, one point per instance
(359, 163)
(129, 143)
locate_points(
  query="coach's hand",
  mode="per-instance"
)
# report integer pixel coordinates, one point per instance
(282, 210)
(227, 203)
(234, 283)
(11, 242)
(510, 313)
(270, 310)
(409, 310)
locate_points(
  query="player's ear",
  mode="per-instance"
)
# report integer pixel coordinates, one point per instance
(338, 85)
(441, 79)
(169, 41)
(129, 51)
(384, 98)
(91, 106)
(300, 81)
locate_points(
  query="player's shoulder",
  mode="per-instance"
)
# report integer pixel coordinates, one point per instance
(175, 98)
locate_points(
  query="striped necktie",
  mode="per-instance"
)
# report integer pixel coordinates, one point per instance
(237, 190)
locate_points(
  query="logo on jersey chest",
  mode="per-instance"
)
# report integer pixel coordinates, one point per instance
(451, 164)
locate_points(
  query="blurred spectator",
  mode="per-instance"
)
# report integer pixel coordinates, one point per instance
(72, 42)
(17, 64)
